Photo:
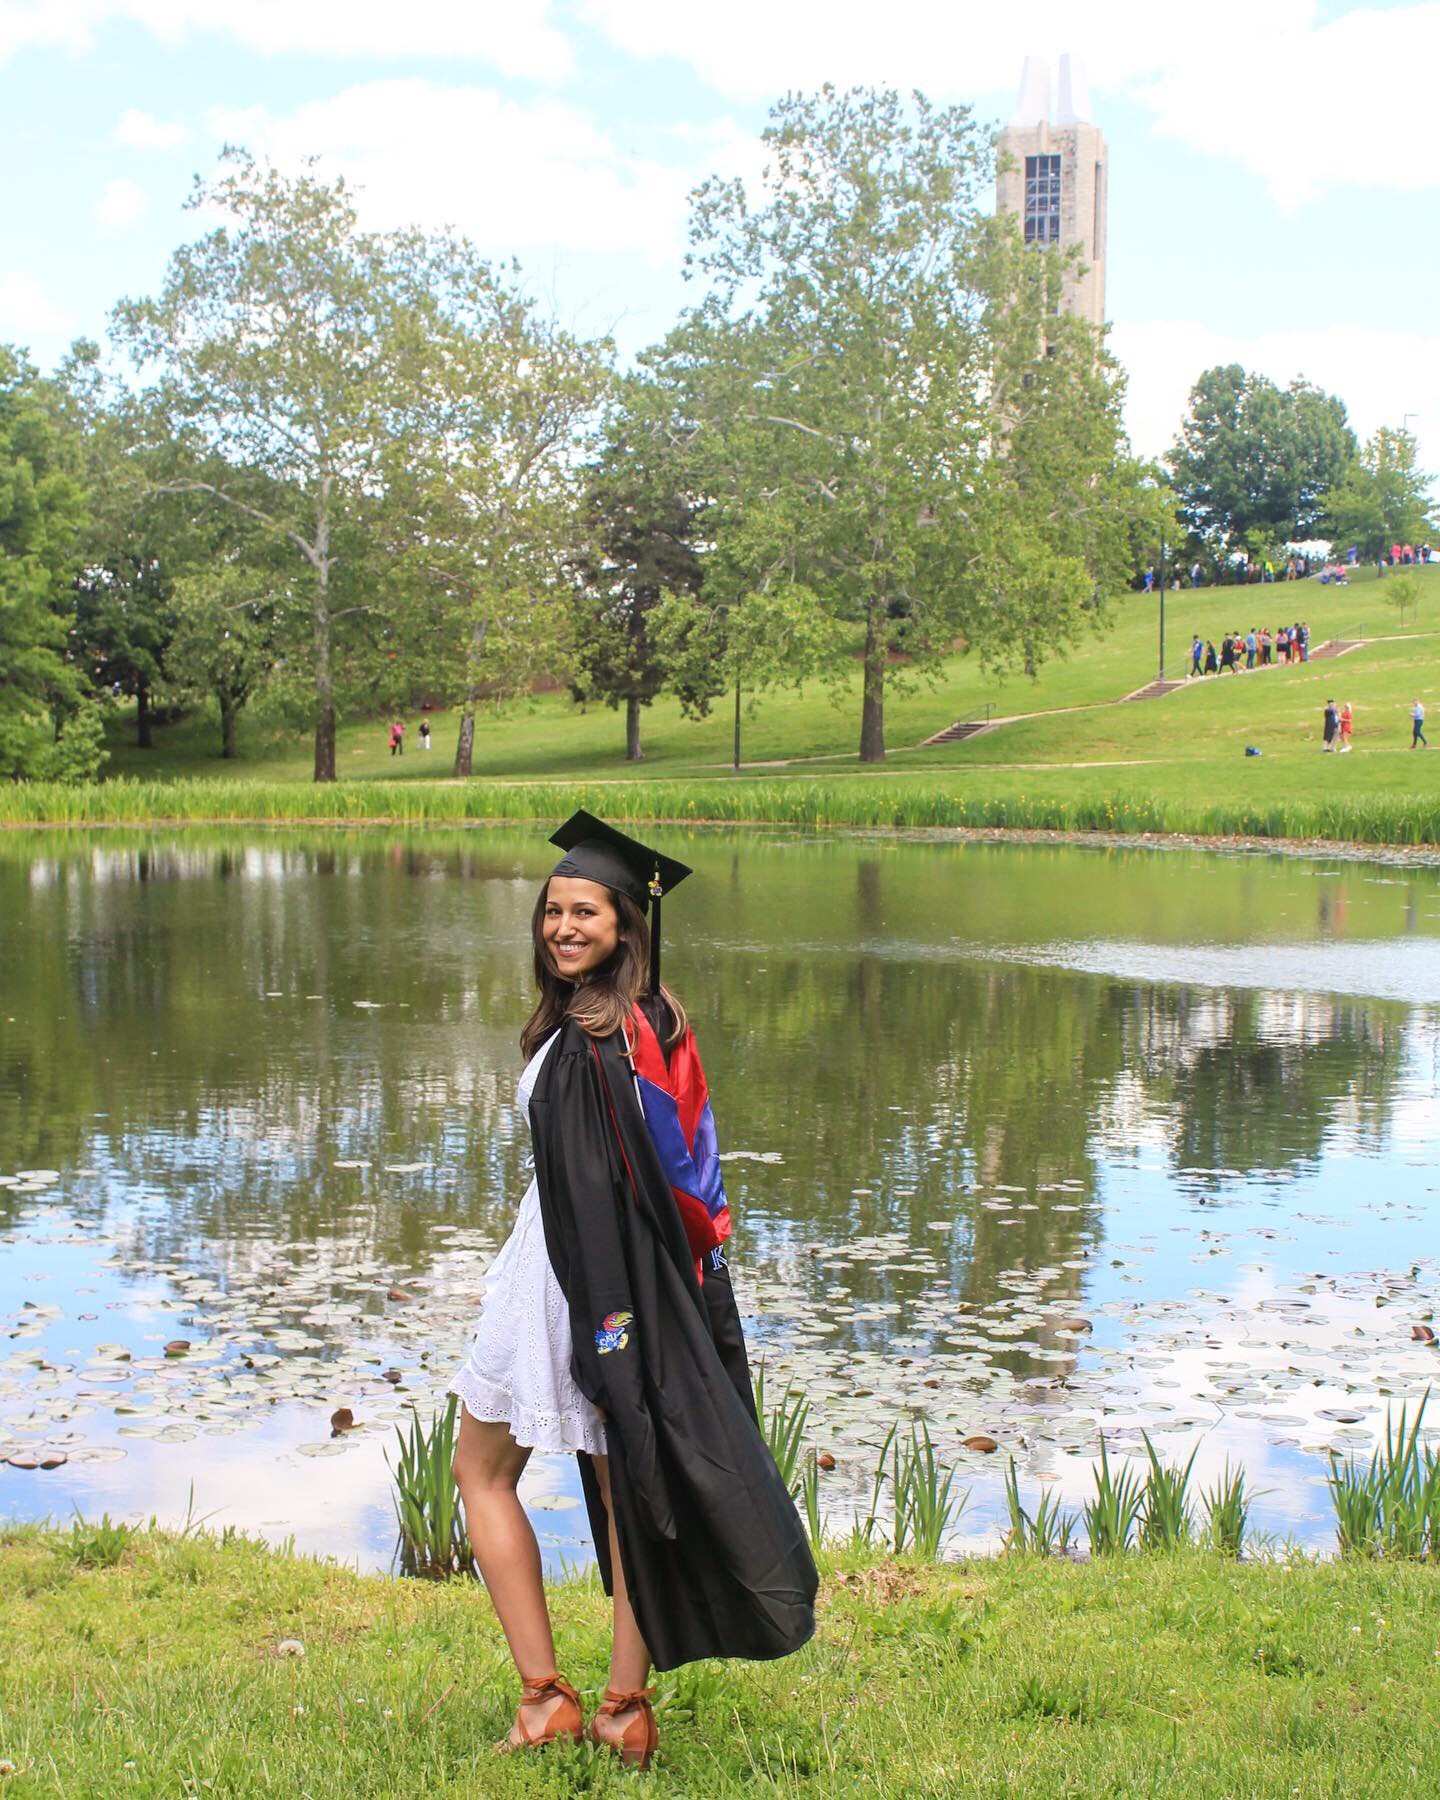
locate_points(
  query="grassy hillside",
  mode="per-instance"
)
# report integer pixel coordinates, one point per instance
(1073, 754)
(551, 737)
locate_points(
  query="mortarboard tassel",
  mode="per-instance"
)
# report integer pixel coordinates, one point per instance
(655, 892)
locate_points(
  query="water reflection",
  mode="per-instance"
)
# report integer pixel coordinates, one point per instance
(274, 1078)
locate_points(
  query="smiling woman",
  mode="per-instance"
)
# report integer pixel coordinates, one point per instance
(579, 925)
(610, 1327)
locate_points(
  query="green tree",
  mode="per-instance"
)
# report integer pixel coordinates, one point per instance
(482, 500)
(284, 343)
(1383, 498)
(888, 409)
(48, 729)
(120, 620)
(1254, 462)
(226, 624)
(637, 529)
(779, 638)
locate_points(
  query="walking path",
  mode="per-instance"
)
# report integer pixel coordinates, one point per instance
(962, 729)
(1153, 690)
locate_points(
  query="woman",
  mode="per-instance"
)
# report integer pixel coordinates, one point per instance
(1347, 726)
(610, 1328)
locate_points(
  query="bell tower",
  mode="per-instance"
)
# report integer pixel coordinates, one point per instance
(1056, 179)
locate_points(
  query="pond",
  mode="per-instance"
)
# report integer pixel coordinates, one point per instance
(1027, 1141)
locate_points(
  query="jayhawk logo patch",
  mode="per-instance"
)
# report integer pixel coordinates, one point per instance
(614, 1332)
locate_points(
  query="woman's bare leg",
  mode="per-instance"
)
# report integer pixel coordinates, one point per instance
(488, 1466)
(629, 1655)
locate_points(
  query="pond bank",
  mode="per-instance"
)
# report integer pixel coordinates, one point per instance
(166, 1671)
(1089, 807)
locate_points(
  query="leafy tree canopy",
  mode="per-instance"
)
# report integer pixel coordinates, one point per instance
(1254, 461)
(887, 408)
(481, 491)
(637, 543)
(1383, 499)
(46, 728)
(286, 347)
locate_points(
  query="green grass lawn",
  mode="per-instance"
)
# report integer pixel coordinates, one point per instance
(1181, 1676)
(1074, 756)
(551, 737)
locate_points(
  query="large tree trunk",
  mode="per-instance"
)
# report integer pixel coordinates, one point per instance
(229, 717)
(633, 752)
(872, 706)
(143, 739)
(324, 678)
(465, 742)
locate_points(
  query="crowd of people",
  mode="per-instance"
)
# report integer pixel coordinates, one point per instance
(1328, 571)
(1258, 647)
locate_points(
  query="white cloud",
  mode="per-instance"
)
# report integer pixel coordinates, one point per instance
(1347, 104)
(512, 176)
(136, 130)
(516, 37)
(1303, 103)
(1380, 375)
(122, 205)
(26, 310)
(766, 47)
(42, 25)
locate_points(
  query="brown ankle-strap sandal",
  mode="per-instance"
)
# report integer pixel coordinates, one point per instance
(640, 1739)
(564, 1722)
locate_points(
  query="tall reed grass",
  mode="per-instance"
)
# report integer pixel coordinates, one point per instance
(1110, 1517)
(869, 801)
(1046, 1532)
(1391, 1507)
(783, 1427)
(433, 1541)
(1387, 1508)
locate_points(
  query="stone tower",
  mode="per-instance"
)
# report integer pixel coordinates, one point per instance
(1056, 180)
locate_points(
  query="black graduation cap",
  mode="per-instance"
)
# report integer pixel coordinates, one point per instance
(595, 851)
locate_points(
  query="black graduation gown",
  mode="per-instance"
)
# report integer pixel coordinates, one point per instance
(715, 1557)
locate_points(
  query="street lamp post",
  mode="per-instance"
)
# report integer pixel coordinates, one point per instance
(1162, 609)
(1405, 419)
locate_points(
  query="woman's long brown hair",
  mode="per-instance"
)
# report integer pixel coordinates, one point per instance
(601, 1002)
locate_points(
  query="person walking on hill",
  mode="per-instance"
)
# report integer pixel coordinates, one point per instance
(1197, 657)
(1417, 725)
(424, 734)
(1251, 645)
(397, 738)
(1347, 726)
(1332, 724)
(1212, 665)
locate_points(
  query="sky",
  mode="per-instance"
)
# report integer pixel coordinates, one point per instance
(1272, 172)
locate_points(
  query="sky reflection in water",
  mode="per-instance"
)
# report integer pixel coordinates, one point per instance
(968, 1091)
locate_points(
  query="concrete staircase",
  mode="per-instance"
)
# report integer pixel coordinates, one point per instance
(1154, 690)
(961, 729)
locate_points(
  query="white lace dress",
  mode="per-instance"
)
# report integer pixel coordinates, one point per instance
(518, 1369)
